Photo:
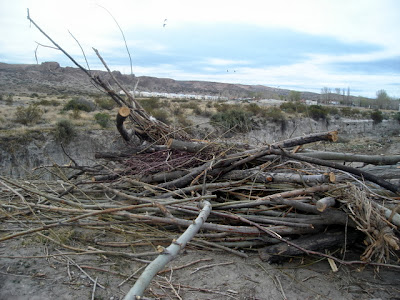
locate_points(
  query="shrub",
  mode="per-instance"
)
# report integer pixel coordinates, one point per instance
(149, 104)
(45, 102)
(317, 112)
(160, 115)
(253, 108)
(105, 103)
(28, 115)
(64, 131)
(235, 119)
(293, 107)
(396, 116)
(102, 119)
(10, 99)
(274, 114)
(350, 112)
(191, 105)
(80, 104)
(377, 116)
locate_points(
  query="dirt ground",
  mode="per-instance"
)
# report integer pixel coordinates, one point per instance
(44, 272)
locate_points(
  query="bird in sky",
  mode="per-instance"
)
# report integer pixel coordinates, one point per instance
(165, 23)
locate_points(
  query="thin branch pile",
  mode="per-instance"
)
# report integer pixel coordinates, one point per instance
(270, 199)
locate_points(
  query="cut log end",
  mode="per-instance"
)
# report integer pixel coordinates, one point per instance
(333, 136)
(124, 111)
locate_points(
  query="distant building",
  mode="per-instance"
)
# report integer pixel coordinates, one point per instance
(311, 102)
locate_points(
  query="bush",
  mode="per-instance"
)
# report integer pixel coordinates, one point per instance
(317, 112)
(293, 107)
(28, 115)
(253, 108)
(377, 116)
(160, 115)
(396, 116)
(235, 119)
(102, 119)
(274, 114)
(80, 104)
(149, 104)
(350, 112)
(64, 131)
(45, 102)
(191, 105)
(105, 103)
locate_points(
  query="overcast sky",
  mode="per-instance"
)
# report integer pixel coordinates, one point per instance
(303, 45)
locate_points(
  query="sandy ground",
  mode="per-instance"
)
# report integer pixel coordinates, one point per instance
(40, 271)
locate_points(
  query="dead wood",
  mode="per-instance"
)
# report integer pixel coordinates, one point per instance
(358, 172)
(316, 242)
(123, 113)
(350, 157)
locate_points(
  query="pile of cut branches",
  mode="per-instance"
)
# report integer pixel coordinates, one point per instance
(273, 199)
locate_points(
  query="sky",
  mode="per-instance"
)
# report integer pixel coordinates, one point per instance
(303, 45)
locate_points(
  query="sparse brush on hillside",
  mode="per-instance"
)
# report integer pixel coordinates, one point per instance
(105, 103)
(80, 104)
(293, 107)
(28, 115)
(233, 119)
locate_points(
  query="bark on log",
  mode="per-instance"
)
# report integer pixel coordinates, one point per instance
(350, 157)
(282, 251)
(324, 203)
(264, 177)
(123, 113)
(358, 172)
(331, 136)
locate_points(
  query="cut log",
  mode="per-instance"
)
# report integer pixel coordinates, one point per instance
(123, 113)
(264, 177)
(358, 172)
(324, 203)
(282, 251)
(350, 157)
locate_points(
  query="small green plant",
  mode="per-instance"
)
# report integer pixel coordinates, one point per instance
(235, 119)
(28, 115)
(80, 104)
(64, 131)
(76, 114)
(377, 116)
(103, 119)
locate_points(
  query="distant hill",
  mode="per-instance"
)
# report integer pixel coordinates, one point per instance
(49, 77)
